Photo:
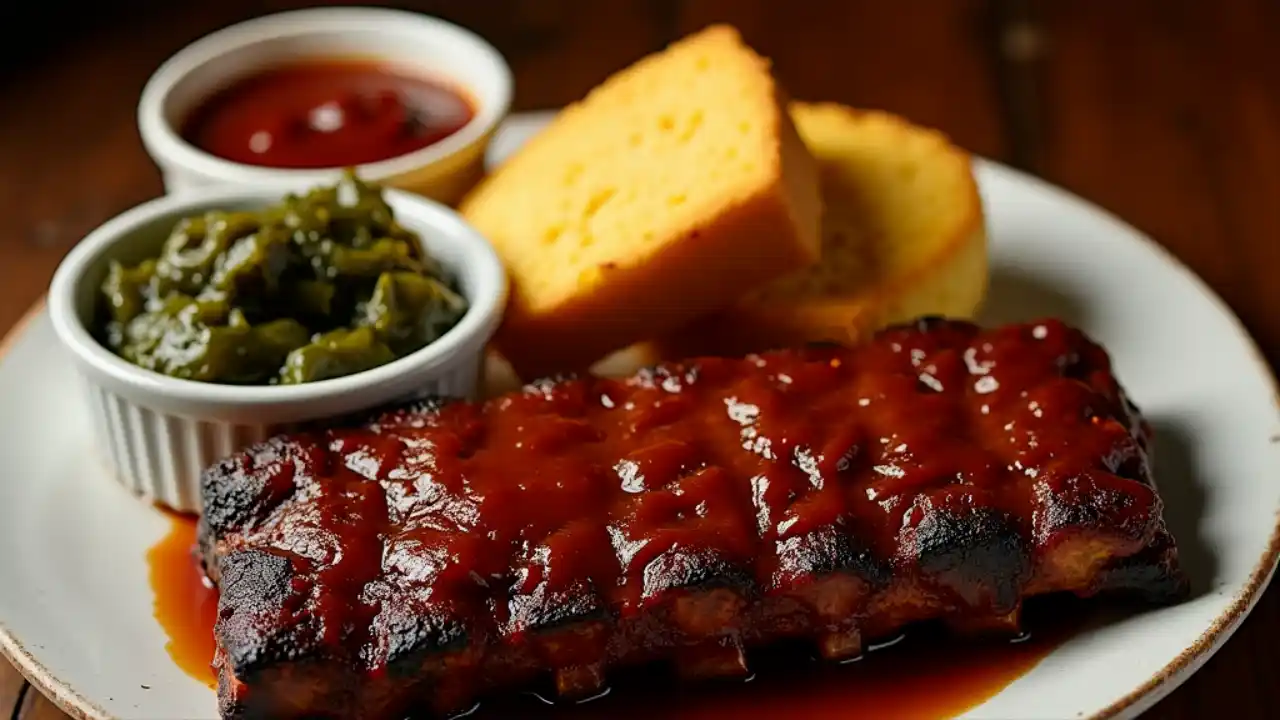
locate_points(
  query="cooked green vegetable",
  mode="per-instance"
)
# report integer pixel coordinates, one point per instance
(313, 288)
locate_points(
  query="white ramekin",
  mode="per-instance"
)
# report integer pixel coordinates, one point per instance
(158, 433)
(442, 171)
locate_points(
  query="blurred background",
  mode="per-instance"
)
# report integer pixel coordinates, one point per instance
(1166, 112)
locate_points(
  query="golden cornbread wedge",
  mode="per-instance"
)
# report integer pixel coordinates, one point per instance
(903, 235)
(672, 189)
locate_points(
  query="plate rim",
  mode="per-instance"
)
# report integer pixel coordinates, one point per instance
(1151, 691)
(1175, 672)
(60, 692)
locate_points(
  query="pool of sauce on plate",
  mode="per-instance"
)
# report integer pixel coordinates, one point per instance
(926, 676)
(325, 114)
(185, 605)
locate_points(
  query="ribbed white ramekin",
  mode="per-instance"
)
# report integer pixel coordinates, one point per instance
(159, 433)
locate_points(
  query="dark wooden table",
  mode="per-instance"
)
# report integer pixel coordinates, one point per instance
(1167, 113)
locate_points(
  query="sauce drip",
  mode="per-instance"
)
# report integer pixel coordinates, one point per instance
(927, 676)
(326, 114)
(185, 605)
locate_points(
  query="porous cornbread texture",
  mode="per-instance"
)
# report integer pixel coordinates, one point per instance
(903, 235)
(672, 189)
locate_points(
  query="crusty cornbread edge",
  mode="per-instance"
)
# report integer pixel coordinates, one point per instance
(706, 262)
(958, 267)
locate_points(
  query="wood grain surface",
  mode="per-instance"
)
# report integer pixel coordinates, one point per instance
(1166, 113)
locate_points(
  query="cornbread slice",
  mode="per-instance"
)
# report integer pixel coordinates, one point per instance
(672, 189)
(903, 235)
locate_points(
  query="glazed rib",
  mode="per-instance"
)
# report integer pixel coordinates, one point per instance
(444, 551)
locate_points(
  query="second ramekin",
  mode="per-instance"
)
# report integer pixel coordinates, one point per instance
(159, 433)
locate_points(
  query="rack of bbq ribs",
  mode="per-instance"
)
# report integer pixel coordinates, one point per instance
(685, 513)
(900, 471)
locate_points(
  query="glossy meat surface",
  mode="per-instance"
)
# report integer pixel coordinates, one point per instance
(439, 552)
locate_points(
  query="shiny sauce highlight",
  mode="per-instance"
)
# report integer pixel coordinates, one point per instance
(927, 676)
(326, 114)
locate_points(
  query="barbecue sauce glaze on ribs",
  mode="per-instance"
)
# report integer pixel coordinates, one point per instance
(440, 552)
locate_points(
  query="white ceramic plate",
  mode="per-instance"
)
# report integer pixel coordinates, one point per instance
(76, 609)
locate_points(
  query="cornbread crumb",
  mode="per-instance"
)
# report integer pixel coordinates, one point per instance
(672, 189)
